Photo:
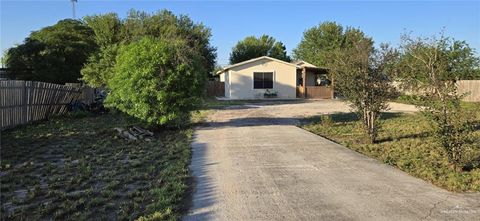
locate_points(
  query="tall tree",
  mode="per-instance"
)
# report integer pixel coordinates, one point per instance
(99, 66)
(108, 35)
(107, 28)
(252, 47)
(160, 25)
(53, 54)
(432, 66)
(320, 43)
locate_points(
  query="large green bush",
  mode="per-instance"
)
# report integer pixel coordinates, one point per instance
(156, 80)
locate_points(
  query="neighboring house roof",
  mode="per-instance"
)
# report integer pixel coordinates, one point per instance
(253, 60)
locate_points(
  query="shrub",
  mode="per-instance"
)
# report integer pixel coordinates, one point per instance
(326, 120)
(366, 81)
(99, 67)
(157, 81)
(448, 61)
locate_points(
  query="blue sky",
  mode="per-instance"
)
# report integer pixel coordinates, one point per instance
(285, 20)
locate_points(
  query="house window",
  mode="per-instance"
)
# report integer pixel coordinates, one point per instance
(263, 80)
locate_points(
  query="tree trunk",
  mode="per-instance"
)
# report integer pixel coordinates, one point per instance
(369, 118)
(373, 134)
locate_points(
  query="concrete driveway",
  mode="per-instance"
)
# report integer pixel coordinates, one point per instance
(252, 163)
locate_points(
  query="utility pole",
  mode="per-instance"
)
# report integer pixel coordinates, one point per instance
(73, 7)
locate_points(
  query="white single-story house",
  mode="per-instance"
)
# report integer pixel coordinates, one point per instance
(266, 77)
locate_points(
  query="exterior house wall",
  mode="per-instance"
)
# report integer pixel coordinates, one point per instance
(225, 78)
(227, 84)
(222, 77)
(241, 80)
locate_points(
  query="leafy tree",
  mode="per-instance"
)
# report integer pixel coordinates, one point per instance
(53, 54)
(3, 60)
(157, 80)
(160, 25)
(107, 28)
(252, 47)
(99, 67)
(432, 66)
(366, 80)
(320, 43)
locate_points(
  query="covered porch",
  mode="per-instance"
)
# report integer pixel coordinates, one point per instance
(314, 83)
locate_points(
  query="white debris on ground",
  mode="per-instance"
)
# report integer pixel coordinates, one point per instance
(134, 133)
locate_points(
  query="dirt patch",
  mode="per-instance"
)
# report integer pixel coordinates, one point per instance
(80, 169)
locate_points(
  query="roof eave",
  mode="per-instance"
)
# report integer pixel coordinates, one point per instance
(253, 60)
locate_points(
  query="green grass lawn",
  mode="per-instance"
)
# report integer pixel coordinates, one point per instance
(212, 103)
(405, 142)
(77, 168)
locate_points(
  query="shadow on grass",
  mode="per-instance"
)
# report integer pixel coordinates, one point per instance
(353, 117)
(406, 136)
(347, 117)
(212, 103)
(476, 125)
(474, 164)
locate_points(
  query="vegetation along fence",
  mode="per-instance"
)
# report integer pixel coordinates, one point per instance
(472, 87)
(87, 96)
(26, 101)
(215, 88)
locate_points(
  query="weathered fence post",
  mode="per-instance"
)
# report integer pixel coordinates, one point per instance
(25, 104)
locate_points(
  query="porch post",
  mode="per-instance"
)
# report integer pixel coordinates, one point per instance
(304, 81)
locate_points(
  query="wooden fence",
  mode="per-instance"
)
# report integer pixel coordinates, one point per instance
(300, 92)
(26, 101)
(320, 92)
(469, 87)
(215, 88)
(87, 96)
(472, 88)
(315, 92)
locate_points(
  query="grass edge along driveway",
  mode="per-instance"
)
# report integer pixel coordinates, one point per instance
(406, 142)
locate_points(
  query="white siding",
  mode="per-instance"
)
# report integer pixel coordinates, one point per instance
(241, 80)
